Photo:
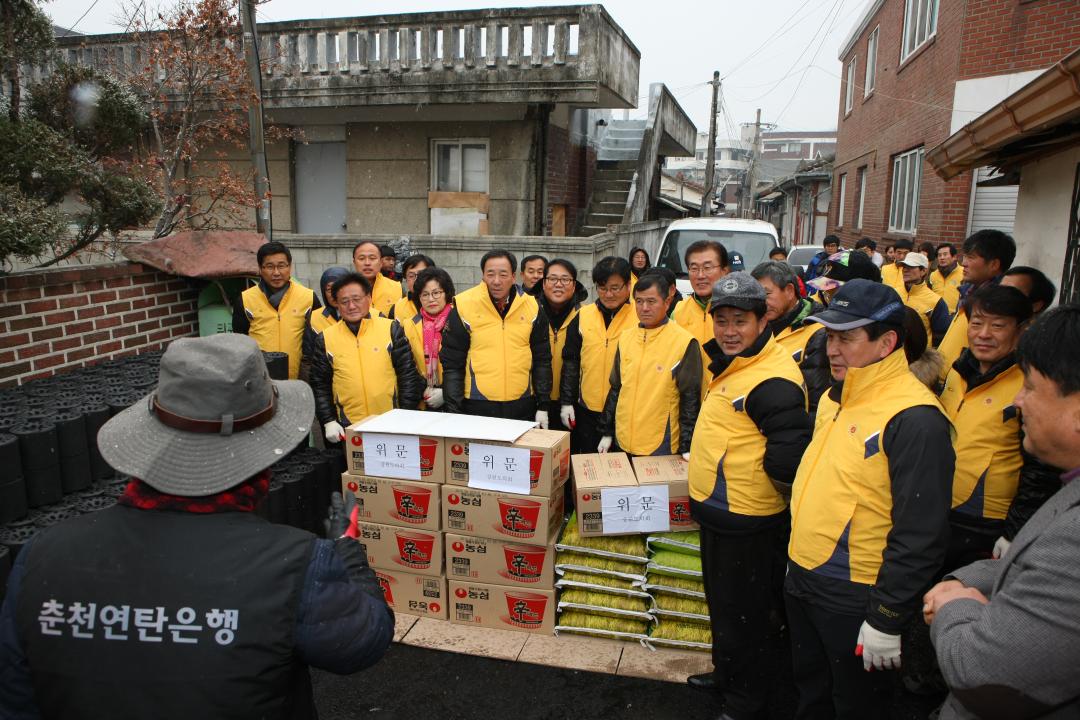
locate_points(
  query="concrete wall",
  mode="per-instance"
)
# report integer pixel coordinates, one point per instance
(1043, 209)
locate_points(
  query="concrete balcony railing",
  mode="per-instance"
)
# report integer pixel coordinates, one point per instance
(571, 54)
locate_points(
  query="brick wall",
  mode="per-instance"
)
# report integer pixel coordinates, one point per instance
(65, 318)
(570, 169)
(1009, 36)
(910, 106)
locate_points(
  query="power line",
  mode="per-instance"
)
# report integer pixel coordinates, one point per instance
(824, 37)
(769, 39)
(83, 15)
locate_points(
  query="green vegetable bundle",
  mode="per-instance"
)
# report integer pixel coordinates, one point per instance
(679, 634)
(666, 562)
(606, 604)
(577, 562)
(687, 542)
(583, 623)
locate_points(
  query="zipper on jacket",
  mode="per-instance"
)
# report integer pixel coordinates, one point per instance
(817, 457)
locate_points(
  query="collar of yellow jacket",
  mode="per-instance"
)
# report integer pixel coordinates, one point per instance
(861, 383)
(742, 361)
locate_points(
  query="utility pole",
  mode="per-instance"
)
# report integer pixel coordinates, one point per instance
(710, 165)
(256, 139)
(750, 182)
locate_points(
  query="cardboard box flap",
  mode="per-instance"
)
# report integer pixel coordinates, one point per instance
(661, 469)
(600, 470)
(539, 438)
(447, 425)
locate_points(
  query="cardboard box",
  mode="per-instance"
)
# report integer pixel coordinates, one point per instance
(394, 548)
(505, 562)
(505, 608)
(593, 473)
(432, 453)
(395, 502)
(502, 516)
(673, 471)
(413, 594)
(549, 459)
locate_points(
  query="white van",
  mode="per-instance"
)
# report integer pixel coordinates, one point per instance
(752, 239)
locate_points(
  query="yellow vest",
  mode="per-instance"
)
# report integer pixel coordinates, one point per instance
(404, 309)
(384, 294)
(319, 321)
(598, 346)
(280, 330)
(728, 450)
(699, 323)
(954, 343)
(841, 503)
(364, 379)
(647, 415)
(557, 338)
(948, 287)
(922, 300)
(794, 341)
(893, 276)
(987, 443)
(499, 366)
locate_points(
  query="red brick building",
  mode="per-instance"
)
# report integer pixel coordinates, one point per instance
(914, 72)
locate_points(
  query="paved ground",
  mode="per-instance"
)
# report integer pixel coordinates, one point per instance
(413, 683)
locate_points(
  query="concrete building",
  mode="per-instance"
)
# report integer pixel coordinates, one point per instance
(801, 144)
(914, 72)
(466, 123)
(1032, 138)
(798, 204)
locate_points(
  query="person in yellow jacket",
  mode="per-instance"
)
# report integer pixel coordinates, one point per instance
(319, 320)
(987, 255)
(997, 485)
(589, 353)
(559, 294)
(892, 274)
(367, 259)
(750, 434)
(275, 312)
(928, 304)
(435, 291)
(409, 306)
(947, 277)
(706, 262)
(655, 390)
(869, 510)
(495, 352)
(362, 365)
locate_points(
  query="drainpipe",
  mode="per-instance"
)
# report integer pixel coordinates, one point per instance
(543, 116)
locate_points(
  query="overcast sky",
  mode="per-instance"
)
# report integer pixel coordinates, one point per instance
(780, 56)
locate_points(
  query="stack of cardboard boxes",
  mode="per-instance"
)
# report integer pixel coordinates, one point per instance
(455, 543)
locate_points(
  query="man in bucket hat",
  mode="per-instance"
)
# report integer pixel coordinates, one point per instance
(180, 602)
(869, 510)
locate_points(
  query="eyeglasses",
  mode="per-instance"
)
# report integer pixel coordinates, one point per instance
(610, 289)
(279, 267)
(351, 301)
(702, 269)
(432, 294)
(559, 280)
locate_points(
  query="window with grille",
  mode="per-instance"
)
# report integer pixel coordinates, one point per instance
(904, 200)
(920, 24)
(871, 63)
(460, 165)
(849, 97)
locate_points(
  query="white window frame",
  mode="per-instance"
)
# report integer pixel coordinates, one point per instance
(437, 142)
(906, 186)
(870, 81)
(920, 25)
(843, 196)
(861, 174)
(849, 95)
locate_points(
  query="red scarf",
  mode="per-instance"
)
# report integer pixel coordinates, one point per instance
(433, 327)
(239, 498)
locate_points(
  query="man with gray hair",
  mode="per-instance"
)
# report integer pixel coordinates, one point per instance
(786, 312)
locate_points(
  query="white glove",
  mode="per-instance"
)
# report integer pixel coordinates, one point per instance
(566, 414)
(605, 444)
(879, 651)
(542, 419)
(1001, 547)
(433, 398)
(334, 432)
(686, 456)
